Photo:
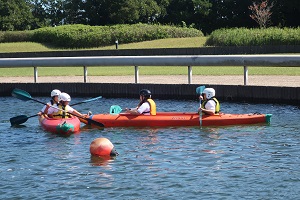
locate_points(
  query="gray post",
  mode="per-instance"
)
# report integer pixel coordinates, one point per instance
(136, 74)
(245, 75)
(35, 74)
(84, 74)
(190, 74)
(117, 44)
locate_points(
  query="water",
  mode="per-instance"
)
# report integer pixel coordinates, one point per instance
(236, 162)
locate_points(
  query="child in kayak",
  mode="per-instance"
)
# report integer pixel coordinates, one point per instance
(53, 102)
(210, 105)
(146, 106)
(63, 109)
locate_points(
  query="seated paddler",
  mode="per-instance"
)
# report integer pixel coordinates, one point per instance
(53, 101)
(210, 105)
(63, 109)
(146, 105)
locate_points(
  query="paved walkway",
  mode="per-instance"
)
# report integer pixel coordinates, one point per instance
(285, 81)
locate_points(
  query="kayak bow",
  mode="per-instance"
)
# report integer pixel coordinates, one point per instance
(60, 126)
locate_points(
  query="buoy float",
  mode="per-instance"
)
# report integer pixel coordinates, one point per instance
(102, 147)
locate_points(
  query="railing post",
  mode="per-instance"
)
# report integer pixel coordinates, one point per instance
(190, 74)
(136, 74)
(245, 75)
(35, 74)
(84, 74)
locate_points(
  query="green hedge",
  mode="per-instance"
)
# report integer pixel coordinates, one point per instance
(84, 36)
(254, 37)
(15, 36)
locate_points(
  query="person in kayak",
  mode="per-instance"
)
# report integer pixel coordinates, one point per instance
(210, 105)
(63, 109)
(53, 102)
(146, 106)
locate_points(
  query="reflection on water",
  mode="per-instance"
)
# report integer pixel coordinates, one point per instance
(101, 161)
(235, 162)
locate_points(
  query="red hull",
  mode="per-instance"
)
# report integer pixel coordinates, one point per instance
(170, 119)
(60, 126)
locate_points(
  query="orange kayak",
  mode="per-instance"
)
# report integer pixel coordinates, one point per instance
(170, 119)
(65, 126)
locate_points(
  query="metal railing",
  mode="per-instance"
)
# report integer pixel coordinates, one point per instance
(138, 61)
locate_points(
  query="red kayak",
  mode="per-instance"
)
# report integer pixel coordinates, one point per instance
(64, 126)
(170, 119)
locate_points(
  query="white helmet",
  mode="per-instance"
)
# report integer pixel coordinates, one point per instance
(210, 92)
(64, 97)
(55, 92)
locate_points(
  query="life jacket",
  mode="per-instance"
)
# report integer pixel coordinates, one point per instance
(152, 107)
(60, 113)
(217, 110)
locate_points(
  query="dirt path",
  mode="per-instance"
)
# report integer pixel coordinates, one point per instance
(286, 81)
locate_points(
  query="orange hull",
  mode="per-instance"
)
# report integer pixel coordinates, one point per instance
(170, 119)
(65, 126)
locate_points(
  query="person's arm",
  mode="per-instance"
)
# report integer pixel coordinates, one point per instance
(206, 111)
(43, 110)
(200, 109)
(139, 110)
(50, 112)
(75, 112)
(132, 111)
(46, 109)
(209, 109)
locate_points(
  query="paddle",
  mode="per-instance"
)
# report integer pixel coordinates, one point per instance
(25, 96)
(20, 119)
(199, 91)
(86, 101)
(23, 118)
(115, 109)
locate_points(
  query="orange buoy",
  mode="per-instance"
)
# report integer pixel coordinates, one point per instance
(102, 147)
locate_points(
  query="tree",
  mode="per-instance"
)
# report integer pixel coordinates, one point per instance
(74, 12)
(206, 15)
(48, 12)
(38, 10)
(104, 12)
(186, 11)
(286, 13)
(227, 13)
(127, 11)
(15, 15)
(261, 13)
(96, 12)
(202, 7)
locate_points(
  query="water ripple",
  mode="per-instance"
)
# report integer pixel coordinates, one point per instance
(235, 162)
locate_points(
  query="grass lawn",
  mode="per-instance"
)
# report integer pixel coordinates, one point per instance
(163, 43)
(110, 71)
(150, 70)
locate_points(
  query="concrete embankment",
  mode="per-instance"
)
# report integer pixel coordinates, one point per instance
(234, 93)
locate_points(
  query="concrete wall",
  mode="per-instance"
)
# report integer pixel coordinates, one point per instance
(229, 93)
(161, 51)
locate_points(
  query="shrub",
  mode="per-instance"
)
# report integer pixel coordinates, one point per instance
(85, 36)
(254, 37)
(2, 36)
(16, 36)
